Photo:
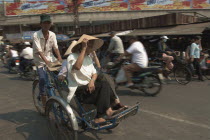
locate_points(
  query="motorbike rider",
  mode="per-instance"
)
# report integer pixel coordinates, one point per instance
(116, 48)
(139, 59)
(13, 55)
(26, 56)
(44, 42)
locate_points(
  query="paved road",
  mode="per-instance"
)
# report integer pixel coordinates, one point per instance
(178, 113)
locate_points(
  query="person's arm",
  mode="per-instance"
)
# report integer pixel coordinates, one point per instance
(56, 50)
(200, 45)
(95, 59)
(91, 85)
(111, 45)
(79, 62)
(125, 54)
(192, 49)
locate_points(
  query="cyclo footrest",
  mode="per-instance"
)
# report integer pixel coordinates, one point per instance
(117, 118)
(126, 113)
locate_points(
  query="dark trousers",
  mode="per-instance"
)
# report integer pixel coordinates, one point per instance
(102, 97)
(24, 63)
(42, 80)
(197, 67)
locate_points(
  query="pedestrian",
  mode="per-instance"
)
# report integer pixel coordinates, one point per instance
(44, 43)
(195, 51)
(116, 47)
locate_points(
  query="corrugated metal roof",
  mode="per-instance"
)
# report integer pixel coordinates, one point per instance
(189, 29)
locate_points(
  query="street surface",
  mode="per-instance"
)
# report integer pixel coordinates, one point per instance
(177, 113)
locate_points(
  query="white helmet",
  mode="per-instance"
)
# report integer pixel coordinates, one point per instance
(27, 43)
(164, 37)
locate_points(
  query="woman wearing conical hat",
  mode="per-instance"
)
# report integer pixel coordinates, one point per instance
(83, 76)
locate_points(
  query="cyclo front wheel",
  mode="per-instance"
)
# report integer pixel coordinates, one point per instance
(59, 122)
(182, 75)
(36, 98)
(152, 85)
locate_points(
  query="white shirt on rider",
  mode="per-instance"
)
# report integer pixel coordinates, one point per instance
(139, 54)
(40, 45)
(27, 53)
(78, 77)
(14, 53)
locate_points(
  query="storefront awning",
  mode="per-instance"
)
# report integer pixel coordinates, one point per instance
(189, 29)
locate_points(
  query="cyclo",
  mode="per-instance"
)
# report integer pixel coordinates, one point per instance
(65, 120)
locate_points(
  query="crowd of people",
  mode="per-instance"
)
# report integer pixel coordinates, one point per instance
(80, 64)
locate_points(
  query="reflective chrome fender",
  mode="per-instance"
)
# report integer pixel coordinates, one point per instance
(68, 108)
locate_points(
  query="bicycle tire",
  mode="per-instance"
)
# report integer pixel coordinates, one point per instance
(206, 74)
(63, 127)
(37, 102)
(179, 72)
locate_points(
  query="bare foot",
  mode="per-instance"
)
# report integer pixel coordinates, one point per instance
(99, 120)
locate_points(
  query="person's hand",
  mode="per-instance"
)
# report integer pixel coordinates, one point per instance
(168, 52)
(48, 63)
(91, 86)
(84, 43)
(61, 78)
(192, 59)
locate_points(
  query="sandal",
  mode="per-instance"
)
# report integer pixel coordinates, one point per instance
(119, 106)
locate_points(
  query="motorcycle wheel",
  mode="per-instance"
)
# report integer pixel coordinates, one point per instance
(151, 85)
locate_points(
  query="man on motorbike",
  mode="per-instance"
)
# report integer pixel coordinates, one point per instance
(116, 48)
(139, 58)
(26, 56)
(13, 55)
(44, 42)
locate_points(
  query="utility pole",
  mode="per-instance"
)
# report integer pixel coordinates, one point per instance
(76, 5)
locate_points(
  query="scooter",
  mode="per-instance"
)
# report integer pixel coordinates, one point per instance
(29, 72)
(147, 80)
(13, 65)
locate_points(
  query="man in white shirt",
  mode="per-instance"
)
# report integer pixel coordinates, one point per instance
(44, 42)
(26, 56)
(139, 58)
(116, 48)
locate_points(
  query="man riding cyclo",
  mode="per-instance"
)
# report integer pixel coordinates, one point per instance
(97, 89)
(44, 42)
(26, 56)
(139, 59)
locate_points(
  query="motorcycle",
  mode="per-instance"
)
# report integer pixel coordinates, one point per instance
(29, 72)
(13, 65)
(147, 80)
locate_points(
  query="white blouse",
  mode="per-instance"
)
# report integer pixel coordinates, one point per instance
(78, 77)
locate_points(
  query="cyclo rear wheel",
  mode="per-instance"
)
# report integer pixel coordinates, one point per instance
(182, 75)
(59, 122)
